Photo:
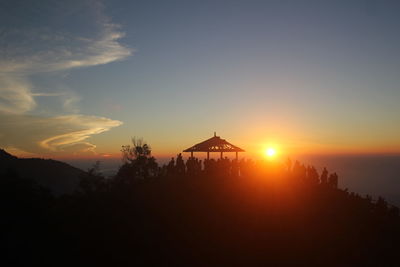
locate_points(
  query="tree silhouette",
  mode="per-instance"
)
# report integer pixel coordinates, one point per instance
(92, 181)
(138, 149)
(138, 162)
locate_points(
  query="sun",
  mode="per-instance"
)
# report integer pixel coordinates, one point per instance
(270, 152)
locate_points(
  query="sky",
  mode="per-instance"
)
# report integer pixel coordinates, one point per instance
(81, 78)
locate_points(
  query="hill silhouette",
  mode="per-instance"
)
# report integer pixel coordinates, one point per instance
(193, 213)
(58, 177)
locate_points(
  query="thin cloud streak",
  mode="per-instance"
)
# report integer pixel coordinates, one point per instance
(56, 134)
(95, 125)
(82, 52)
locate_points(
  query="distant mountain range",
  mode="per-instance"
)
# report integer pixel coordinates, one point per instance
(57, 176)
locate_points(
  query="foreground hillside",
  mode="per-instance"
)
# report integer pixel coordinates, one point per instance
(183, 216)
(58, 177)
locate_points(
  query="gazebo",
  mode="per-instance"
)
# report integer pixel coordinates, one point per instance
(214, 144)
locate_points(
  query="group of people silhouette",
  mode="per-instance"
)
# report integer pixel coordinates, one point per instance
(243, 168)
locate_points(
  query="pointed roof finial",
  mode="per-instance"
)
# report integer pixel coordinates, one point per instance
(215, 134)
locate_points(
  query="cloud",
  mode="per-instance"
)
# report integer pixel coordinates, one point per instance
(85, 125)
(56, 56)
(68, 35)
(60, 134)
(15, 95)
(17, 65)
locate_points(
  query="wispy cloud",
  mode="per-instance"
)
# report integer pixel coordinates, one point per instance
(15, 94)
(87, 125)
(56, 134)
(55, 56)
(41, 50)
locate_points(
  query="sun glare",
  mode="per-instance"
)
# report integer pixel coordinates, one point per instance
(270, 152)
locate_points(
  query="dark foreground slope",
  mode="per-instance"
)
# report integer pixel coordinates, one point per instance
(58, 177)
(200, 220)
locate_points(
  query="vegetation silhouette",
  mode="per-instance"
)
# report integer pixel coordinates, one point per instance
(138, 163)
(197, 213)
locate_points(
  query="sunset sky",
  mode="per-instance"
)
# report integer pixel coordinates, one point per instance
(80, 78)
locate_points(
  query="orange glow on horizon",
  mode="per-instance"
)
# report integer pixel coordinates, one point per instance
(272, 148)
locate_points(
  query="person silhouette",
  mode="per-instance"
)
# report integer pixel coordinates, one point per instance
(324, 176)
(180, 164)
(171, 166)
(333, 180)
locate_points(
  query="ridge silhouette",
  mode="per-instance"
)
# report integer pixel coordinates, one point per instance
(197, 213)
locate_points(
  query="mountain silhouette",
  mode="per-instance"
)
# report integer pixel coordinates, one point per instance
(6, 156)
(228, 213)
(59, 177)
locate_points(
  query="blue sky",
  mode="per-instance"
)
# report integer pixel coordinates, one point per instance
(82, 77)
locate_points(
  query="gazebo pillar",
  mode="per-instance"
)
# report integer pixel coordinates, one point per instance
(191, 154)
(237, 155)
(222, 155)
(208, 154)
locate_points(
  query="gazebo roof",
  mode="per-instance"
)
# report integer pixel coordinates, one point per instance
(214, 144)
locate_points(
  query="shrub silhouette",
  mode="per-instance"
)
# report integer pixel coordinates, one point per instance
(138, 163)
